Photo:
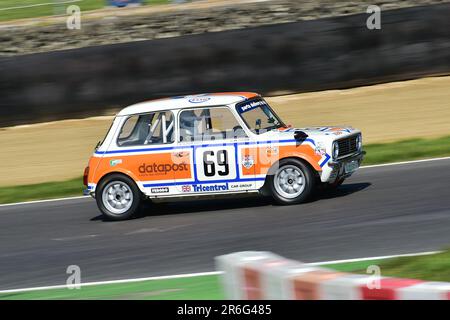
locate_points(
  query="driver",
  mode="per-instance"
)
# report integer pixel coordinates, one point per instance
(189, 123)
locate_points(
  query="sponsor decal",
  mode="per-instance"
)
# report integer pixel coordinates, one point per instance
(115, 162)
(247, 106)
(199, 99)
(271, 151)
(338, 131)
(186, 188)
(241, 186)
(333, 130)
(180, 154)
(248, 161)
(210, 188)
(320, 150)
(162, 168)
(159, 190)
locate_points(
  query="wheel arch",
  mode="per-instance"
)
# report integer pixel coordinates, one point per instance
(300, 158)
(275, 165)
(123, 173)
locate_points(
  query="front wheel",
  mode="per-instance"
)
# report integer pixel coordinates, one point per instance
(118, 197)
(292, 183)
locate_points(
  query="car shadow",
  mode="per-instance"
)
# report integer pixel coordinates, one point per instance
(231, 202)
(341, 191)
(228, 202)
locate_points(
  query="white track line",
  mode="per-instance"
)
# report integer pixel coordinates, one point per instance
(211, 273)
(373, 258)
(404, 162)
(363, 167)
(64, 286)
(42, 201)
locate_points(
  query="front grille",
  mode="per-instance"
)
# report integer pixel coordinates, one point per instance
(347, 146)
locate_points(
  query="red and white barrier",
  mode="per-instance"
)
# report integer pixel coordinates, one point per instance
(239, 282)
(426, 291)
(257, 275)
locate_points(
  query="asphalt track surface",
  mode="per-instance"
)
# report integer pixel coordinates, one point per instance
(379, 211)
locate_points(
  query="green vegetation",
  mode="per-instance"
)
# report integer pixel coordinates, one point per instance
(376, 153)
(196, 288)
(404, 150)
(435, 267)
(40, 191)
(38, 10)
(431, 267)
(42, 10)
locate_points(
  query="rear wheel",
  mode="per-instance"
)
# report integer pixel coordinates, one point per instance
(293, 182)
(118, 197)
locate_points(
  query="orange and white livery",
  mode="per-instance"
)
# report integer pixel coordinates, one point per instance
(214, 144)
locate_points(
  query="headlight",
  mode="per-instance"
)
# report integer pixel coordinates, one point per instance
(335, 150)
(359, 142)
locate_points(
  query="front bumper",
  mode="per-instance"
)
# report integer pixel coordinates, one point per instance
(337, 166)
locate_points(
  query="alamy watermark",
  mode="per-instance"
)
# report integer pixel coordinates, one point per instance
(74, 279)
(73, 21)
(374, 281)
(373, 22)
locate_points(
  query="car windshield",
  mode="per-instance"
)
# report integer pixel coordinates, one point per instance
(258, 116)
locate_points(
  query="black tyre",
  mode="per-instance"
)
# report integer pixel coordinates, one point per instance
(118, 197)
(292, 182)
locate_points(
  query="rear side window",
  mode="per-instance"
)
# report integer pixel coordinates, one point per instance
(147, 129)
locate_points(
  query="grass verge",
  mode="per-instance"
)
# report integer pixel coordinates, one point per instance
(13, 9)
(429, 267)
(41, 191)
(411, 149)
(435, 267)
(404, 150)
(195, 288)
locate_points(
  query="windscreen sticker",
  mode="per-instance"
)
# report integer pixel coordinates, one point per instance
(250, 105)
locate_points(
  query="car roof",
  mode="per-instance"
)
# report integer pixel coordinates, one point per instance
(191, 101)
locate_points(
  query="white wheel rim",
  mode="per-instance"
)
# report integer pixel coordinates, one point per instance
(117, 197)
(289, 181)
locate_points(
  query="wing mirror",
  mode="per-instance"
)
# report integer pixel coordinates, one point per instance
(300, 135)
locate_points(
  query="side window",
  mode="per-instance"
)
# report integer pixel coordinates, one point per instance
(207, 124)
(147, 129)
(127, 128)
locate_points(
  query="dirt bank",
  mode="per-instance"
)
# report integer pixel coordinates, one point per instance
(388, 112)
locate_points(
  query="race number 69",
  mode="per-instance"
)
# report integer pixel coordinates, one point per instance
(215, 163)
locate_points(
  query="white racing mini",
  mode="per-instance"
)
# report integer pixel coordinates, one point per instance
(214, 144)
